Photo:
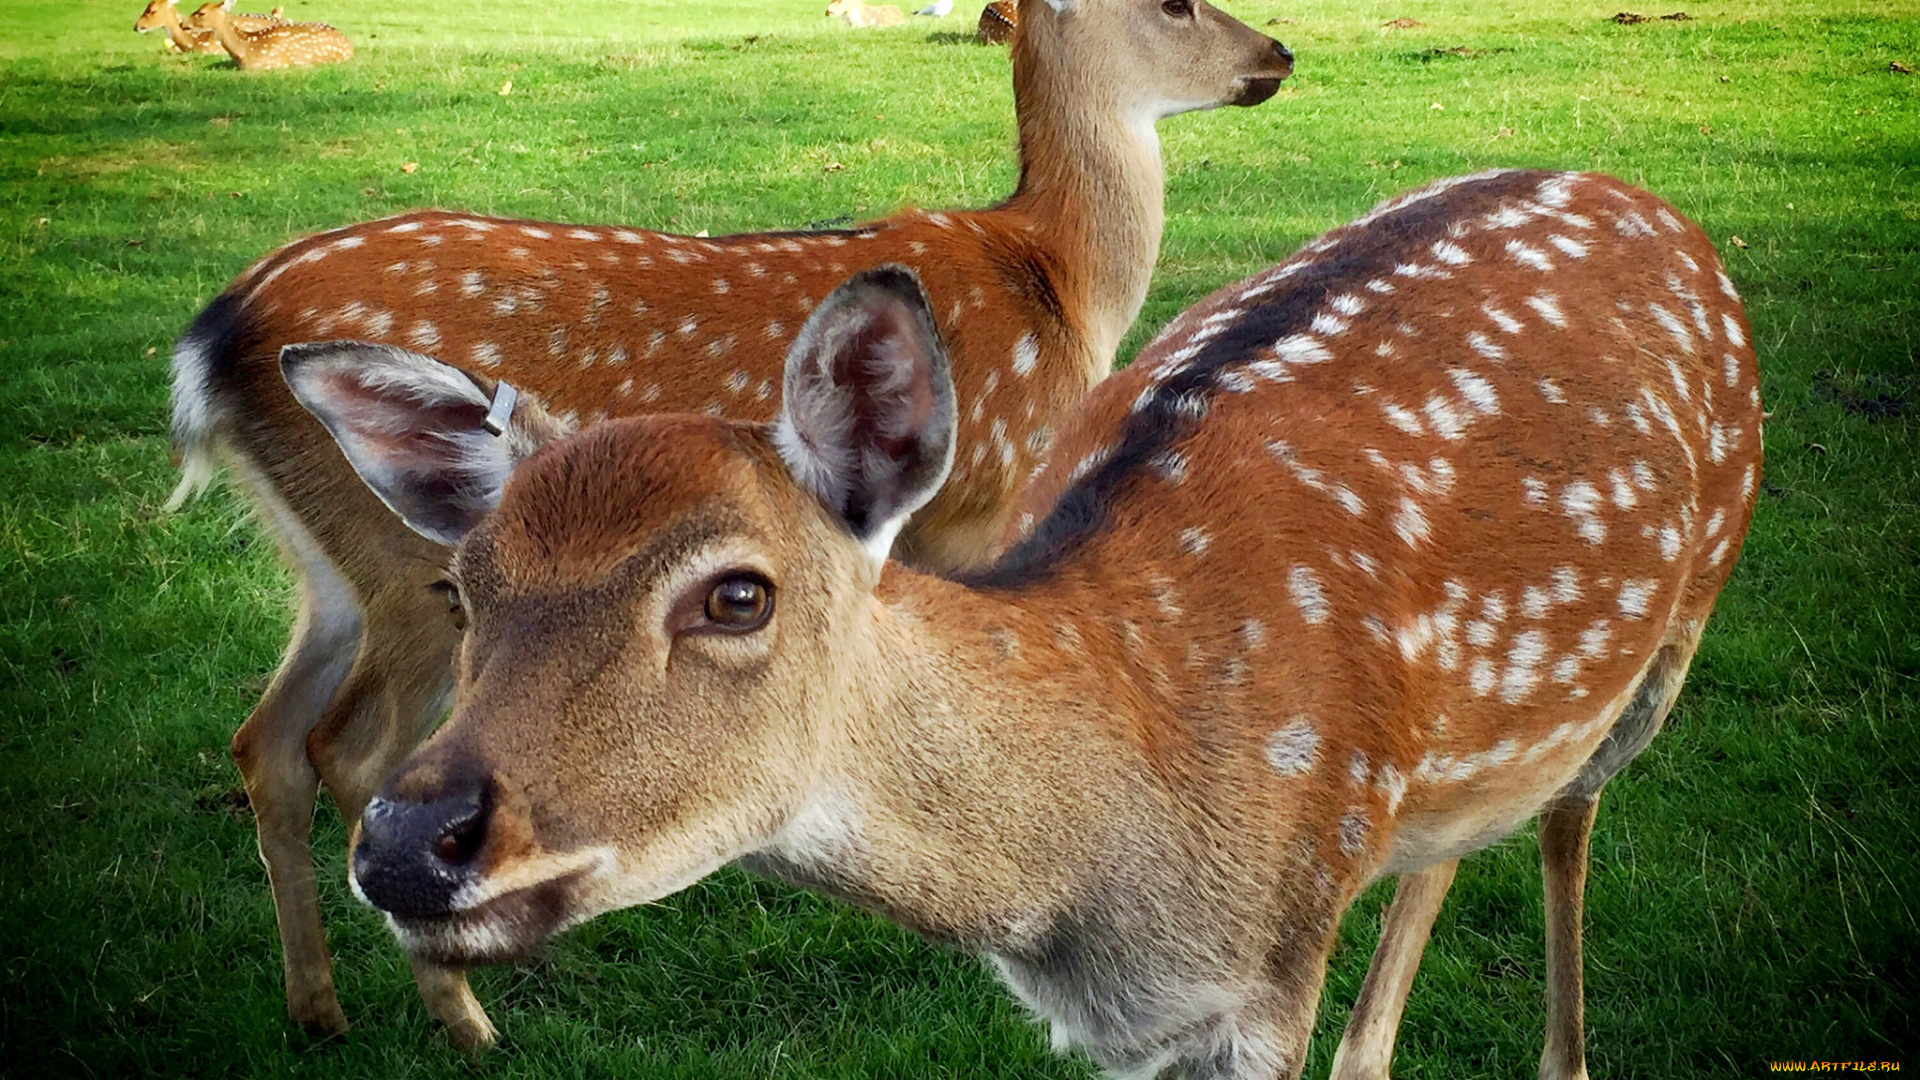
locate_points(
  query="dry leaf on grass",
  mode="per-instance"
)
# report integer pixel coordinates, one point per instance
(1737, 242)
(1401, 23)
(410, 167)
(1899, 68)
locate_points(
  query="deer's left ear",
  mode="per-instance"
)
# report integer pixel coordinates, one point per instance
(867, 418)
(433, 442)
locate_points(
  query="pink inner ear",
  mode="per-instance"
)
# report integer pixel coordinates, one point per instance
(397, 429)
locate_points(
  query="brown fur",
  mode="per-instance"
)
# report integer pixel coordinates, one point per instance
(1145, 764)
(1033, 297)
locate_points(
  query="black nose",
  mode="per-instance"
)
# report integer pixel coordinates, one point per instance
(415, 855)
(1285, 54)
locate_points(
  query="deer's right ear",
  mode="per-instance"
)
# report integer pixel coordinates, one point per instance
(419, 432)
(867, 418)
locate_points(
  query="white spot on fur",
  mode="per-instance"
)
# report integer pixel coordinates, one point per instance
(1569, 246)
(1547, 306)
(1292, 749)
(1672, 325)
(1486, 346)
(1634, 596)
(1308, 594)
(1501, 319)
(1527, 255)
(1026, 353)
(1478, 391)
(1353, 831)
(1410, 523)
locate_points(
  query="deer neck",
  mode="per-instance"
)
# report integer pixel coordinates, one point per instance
(176, 30)
(228, 34)
(949, 803)
(1091, 182)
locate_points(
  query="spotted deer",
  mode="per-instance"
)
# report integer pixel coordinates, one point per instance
(857, 13)
(162, 15)
(280, 45)
(1032, 296)
(997, 22)
(1362, 563)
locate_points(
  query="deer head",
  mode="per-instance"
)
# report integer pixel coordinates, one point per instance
(1152, 58)
(682, 594)
(154, 17)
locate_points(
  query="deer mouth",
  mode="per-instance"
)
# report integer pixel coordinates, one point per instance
(1255, 91)
(511, 926)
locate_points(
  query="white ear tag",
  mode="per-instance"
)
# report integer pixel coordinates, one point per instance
(500, 413)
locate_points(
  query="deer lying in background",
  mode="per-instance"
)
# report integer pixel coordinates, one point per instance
(162, 15)
(1365, 561)
(1033, 295)
(277, 46)
(858, 13)
(997, 22)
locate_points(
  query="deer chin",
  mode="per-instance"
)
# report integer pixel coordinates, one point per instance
(508, 926)
(1255, 91)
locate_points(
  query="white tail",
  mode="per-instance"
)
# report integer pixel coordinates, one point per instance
(275, 46)
(1032, 298)
(1365, 561)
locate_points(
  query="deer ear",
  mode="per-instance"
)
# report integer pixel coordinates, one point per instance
(433, 442)
(867, 419)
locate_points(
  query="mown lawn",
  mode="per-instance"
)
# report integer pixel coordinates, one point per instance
(1756, 873)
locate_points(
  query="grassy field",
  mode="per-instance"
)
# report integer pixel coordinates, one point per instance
(1756, 874)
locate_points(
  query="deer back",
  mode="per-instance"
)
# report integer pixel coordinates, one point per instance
(1442, 485)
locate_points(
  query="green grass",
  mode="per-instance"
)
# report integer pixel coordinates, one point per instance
(1756, 874)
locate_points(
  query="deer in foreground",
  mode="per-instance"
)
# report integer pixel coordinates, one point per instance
(860, 14)
(162, 15)
(277, 46)
(1362, 563)
(1033, 297)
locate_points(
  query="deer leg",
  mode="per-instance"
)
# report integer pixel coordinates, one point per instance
(1366, 1049)
(271, 750)
(396, 698)
(1566, 825)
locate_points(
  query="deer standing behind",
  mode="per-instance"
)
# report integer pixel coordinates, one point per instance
(1033, 296)
(162, 15)
(860, 14)
(1362, 563)
(277, 46)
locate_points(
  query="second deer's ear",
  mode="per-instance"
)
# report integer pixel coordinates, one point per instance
(867, 419)
(421, 434)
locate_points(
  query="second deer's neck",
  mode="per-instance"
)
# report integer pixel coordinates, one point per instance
(1090, 180)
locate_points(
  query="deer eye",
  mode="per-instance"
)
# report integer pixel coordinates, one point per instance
(450, 592)
(740, 603)
(1179, 9)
